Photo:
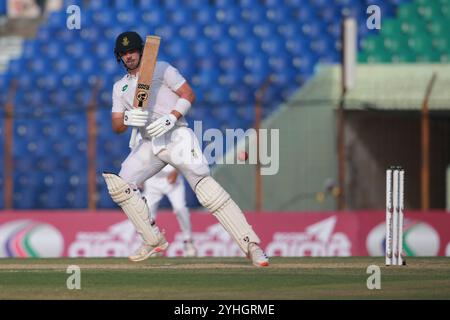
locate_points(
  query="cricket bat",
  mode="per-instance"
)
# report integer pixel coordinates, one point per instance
(144, 82)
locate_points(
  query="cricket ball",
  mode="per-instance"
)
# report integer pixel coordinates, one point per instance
(242, 155)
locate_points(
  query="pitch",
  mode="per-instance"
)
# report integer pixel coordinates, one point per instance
(224, 278)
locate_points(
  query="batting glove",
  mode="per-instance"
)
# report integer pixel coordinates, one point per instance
(162, 125)
(135, 117)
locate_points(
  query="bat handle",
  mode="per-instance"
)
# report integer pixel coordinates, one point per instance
(132, 143)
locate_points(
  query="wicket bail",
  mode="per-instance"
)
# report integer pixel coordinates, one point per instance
(395, 177)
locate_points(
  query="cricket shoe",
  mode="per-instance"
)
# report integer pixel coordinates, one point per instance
(257, 255)
(189, 249)
(146, 251)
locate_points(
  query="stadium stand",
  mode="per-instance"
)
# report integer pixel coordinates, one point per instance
(227, 49)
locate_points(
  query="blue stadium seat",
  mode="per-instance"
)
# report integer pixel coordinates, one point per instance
(215, 31)
(104, 50)
(90, 33)
(164, 31)
(49, 165)
(278, 14)
(272, 46)
(205, 78)
(30, 49)
(202, 47)
(153, 17)
(226, 48)
(127, 18)
(57, 19)
(229, 15)
(180, 18)
(104, 17)
(204, 15)
(68, 35)
(254, 14)
(16, 66)
(173, 4)
(77, 198)
(230, 79)
(23, 163)
(240, 96)
(250, 46)
(73, 164)
(104, 200)
(52, 50)
(185, 66)
(98, 4)
(176, 48)
(50, 198)
(26, 129)
(314, 30)
(190, 32)
(24, 199)
(265, 30)
(217, 95)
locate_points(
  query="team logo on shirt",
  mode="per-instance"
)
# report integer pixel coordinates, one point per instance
(125, 87)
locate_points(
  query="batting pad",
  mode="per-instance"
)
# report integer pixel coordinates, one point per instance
(133, 206)
(213, 197)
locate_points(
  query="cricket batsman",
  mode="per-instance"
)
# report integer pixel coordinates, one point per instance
(166, 139)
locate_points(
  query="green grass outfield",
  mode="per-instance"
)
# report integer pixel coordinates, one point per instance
(224, 279)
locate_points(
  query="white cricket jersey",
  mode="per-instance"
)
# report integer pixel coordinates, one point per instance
(166, 80)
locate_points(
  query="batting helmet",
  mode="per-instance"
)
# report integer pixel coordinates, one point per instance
(127, 41)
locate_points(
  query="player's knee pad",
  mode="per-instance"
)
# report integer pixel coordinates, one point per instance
(210, 194)
(133, 205)
(213, 197)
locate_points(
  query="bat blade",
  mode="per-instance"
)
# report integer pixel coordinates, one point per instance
(147, 68)
(144, 83)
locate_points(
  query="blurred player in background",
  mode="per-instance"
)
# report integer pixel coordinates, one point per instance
(166, 140)
(169, 183)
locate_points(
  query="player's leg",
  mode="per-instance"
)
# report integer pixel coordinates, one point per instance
(152, 196)
(139, 166)
(177, 198)
(213, 197)
(210, 194)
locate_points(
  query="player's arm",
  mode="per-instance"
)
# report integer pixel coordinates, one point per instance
(186, 97)
(185, 100)
(117, 122)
